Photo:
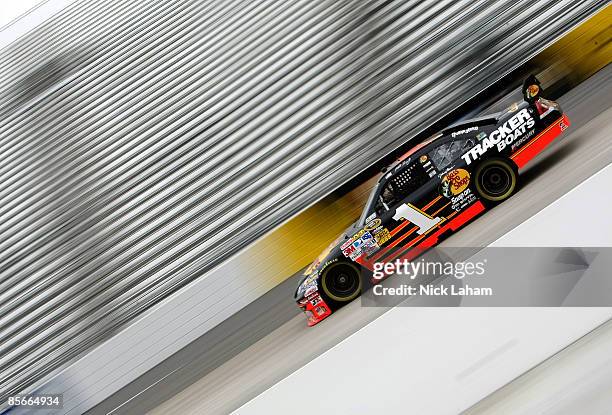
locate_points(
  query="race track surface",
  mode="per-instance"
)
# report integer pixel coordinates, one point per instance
(222, 372)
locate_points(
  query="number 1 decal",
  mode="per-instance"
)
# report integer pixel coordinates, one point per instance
(416, 216)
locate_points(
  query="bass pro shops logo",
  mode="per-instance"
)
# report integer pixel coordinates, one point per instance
(505, 135)
(455, 182)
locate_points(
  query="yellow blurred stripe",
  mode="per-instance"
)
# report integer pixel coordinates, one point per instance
(581, 52)
(299, 241)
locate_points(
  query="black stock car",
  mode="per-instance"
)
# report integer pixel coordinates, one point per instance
(429, 193)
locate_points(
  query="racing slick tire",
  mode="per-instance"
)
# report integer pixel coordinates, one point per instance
(341, 282)
(496, 180)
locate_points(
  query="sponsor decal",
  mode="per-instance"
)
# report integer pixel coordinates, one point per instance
(349, 251)
(532, 91)
(315, 300)
(522, 141)
(465, 131)
(423, 158)
(310, 279)
(366, 236)
(481, 135)
(429, 168)
(358, 234)
(382, 235)
(327, 263)
(347, 243)
(315, 308)
(463, 200)
(310, 289)
(509, 132)
(563, 126)
(455, 182)
(370, 226)
(370, 246)
(446, 170)
(364, 244)
(309, 285)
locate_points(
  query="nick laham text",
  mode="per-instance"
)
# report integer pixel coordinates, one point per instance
(433, 290)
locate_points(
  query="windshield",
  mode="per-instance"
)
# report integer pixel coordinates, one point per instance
(369, 206)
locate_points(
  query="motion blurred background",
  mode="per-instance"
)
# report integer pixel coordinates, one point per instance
(150, 149)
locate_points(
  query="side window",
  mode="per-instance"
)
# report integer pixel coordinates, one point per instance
(401, 185)
(444, 155)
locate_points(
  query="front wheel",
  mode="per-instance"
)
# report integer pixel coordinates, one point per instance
(341, 282)
(496, 180)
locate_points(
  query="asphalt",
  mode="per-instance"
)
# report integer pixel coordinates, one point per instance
(573, 381)
(269, 339)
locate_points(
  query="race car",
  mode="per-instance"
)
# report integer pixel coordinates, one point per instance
(429, 193)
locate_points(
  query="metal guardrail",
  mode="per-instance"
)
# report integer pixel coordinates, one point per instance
(144, 143)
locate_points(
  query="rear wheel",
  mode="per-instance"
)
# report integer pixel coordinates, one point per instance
(341, 282)
(496, 180)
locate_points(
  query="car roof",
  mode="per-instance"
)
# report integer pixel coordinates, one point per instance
(483, 120)
(419, 146)
(489, 119)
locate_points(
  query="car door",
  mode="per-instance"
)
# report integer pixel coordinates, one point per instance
(405, 211)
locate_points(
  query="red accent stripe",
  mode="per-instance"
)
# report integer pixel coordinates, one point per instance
(453, 225)
(411, 252)
(427, 206)
(399, 228)
(401, 238)
(451, 215)
(440, 210)
(535, 146)
(380, 254)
